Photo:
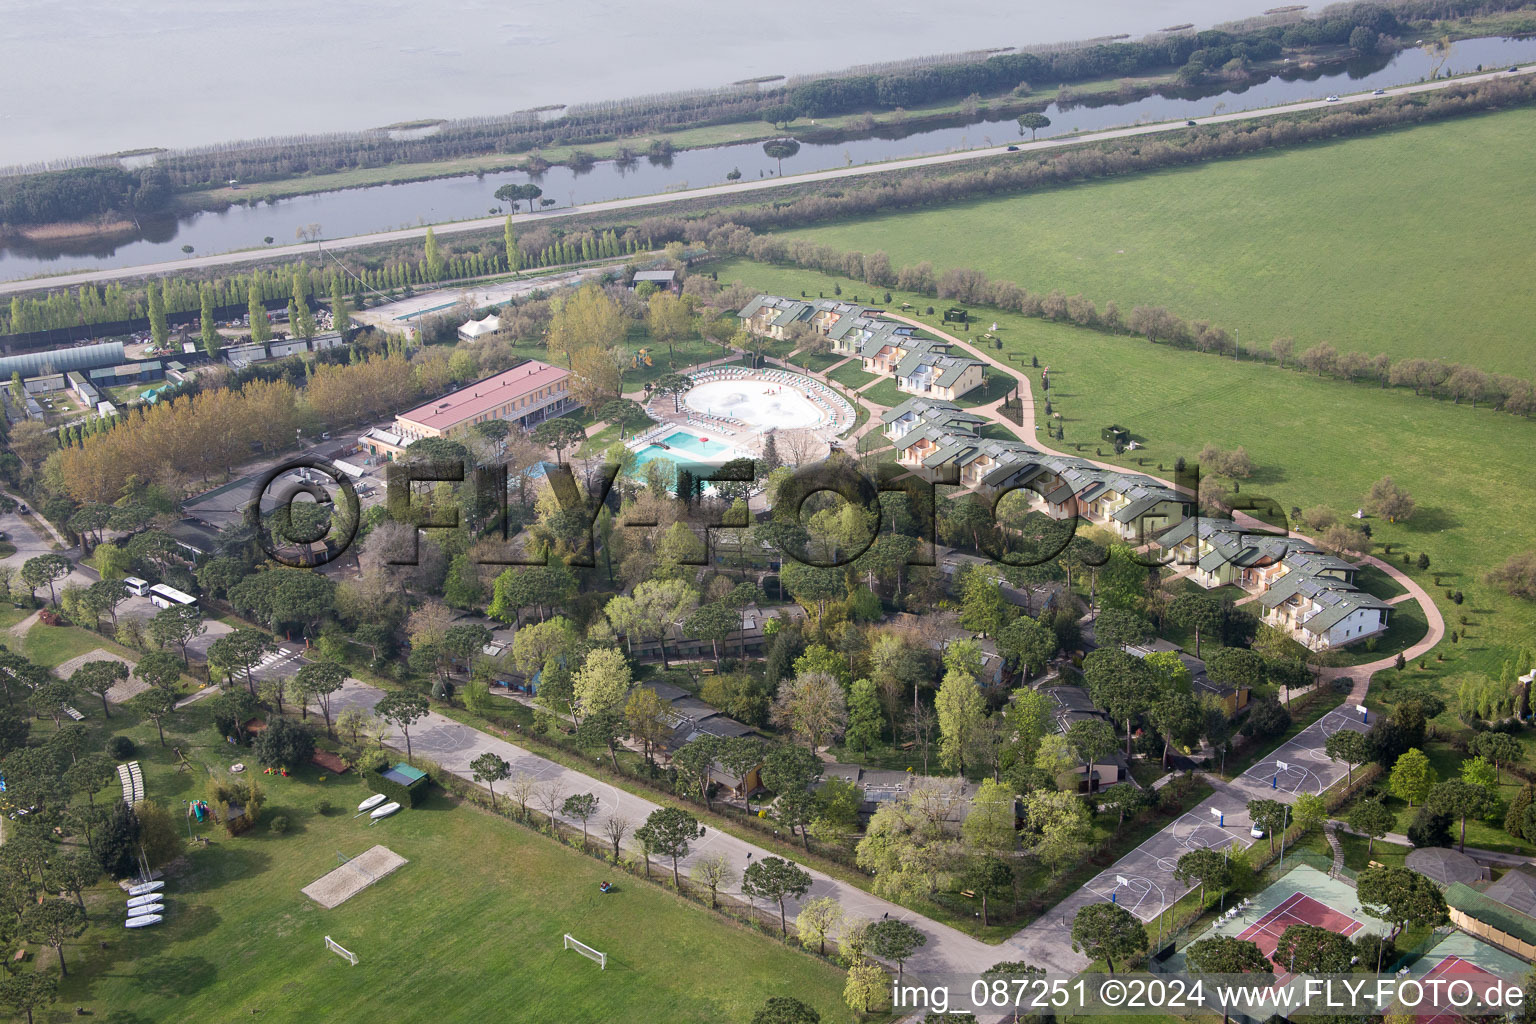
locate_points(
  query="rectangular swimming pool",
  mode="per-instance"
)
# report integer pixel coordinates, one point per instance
(682, 446)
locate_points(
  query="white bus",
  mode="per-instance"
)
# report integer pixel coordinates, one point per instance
(162, 596)
(136, 586)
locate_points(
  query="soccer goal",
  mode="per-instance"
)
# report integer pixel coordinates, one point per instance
(587, 951)
(336, 947)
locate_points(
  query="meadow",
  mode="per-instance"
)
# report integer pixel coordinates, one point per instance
(1413, 242)
(470, 929)
(1314, 441)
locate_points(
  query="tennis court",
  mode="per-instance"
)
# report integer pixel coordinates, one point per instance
(1467, 969)
(1298, 908)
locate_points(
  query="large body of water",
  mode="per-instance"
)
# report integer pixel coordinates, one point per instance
(103, 76)
(358, 211)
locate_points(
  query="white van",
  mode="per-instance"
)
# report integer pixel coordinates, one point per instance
(136, 586)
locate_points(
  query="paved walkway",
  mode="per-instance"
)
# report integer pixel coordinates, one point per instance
(734, 189)
(1047, 941)
(1359, 675)
(454, 746)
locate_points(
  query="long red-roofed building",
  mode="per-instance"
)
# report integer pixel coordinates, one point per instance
(526, 395)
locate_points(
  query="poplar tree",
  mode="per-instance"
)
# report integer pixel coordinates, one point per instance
(341, 313)
(434, 259)
(261, 330)
(210, 335)
(514, 258)
(305, 323)
(157, 326)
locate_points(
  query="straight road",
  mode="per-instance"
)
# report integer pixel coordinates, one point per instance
(739, 188)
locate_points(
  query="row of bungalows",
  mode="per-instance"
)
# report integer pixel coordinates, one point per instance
(920, 366)
(931, 435)
(1303, 591)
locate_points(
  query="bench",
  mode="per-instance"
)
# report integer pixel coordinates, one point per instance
(1377, 864)
(968, 894)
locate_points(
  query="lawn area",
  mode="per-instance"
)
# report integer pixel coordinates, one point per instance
(885, 393)
(1308, 243)
(53, 645)
(1314, 442)
(816, 361)
(997, 386)
(10, 615)
(1377, 583)
(1485, 835)
(469, 929)
(1383, 852)
(850, 375)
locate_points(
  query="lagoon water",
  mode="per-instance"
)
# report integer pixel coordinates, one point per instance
(103, 76)
(357, 211)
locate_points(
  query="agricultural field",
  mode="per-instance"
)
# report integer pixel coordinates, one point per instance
(1412, 242)
(1314, 441)
(469, 929)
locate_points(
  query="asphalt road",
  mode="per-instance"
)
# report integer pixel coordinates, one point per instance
(713, 191)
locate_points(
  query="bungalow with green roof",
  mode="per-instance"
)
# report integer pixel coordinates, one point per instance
(1322, 612)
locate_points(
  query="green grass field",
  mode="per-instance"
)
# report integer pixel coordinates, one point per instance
(470, 929)
(1313, 441)
(1412, 242)
(851, 375)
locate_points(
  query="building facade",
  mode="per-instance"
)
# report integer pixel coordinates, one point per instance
(526, 395)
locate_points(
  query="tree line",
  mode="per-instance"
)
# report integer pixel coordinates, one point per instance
(80, 192)
(819, 96)
(116, 303)
(1435, 378)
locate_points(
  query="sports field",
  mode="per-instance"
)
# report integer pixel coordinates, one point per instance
(1314, 441)
(1413, 242)
(468, 930)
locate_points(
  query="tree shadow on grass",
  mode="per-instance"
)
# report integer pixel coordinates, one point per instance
(225, 862)
(1431, 520)
(171, 976)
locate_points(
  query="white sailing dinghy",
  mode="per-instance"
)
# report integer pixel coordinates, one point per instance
(385, 811)
(371, 802)
(144, 901)
(151, 908)
(143, 922)
(146, 888)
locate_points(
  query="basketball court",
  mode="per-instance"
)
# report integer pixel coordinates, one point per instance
(1142, 881)
(1301, 765)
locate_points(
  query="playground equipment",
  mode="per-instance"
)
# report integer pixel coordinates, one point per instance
(640, 359)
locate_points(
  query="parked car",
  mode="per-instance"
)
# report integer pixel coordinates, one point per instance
(1013, 149)
(4, 535)
(1513, 68)
(1256, 832)
(1333, 99)
(1189, 124)
(1379, 92)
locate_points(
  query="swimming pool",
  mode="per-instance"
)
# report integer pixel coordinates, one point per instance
(682, 446)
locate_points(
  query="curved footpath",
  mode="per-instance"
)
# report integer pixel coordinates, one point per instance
(1359, 674)
(949, 954)
(1047, 942)
(713, 191)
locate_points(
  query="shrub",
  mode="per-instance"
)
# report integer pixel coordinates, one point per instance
(375, 760)
(324, 807)
(1430, 828)
(280, 824)
(121, 747)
